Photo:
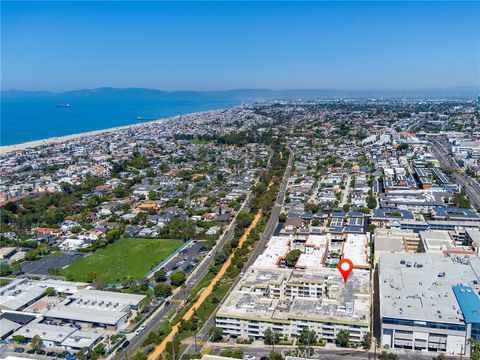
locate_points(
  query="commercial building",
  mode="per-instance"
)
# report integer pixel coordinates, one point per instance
(441, 241)
(389, 241)
(95, 308)
(60, 337)
(20, 293)
(419, 306)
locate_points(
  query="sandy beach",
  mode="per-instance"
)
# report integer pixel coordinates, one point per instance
(59, 139)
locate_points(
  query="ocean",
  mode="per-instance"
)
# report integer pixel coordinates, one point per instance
(23, 121)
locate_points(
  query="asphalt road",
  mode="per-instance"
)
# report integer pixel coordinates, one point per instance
(202, 335)
(472, 189)
(318, 353)
(176, 300)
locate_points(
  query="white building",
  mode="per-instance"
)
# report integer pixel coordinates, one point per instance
(420, 308)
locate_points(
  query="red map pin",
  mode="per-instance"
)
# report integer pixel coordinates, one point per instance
(345, 266)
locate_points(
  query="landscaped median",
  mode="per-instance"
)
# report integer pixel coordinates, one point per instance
(229, 262)
(162, 347)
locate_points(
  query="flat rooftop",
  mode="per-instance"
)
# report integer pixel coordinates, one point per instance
(85, 314)
(439, 241)
(356, 249)
(343, 303)
(277, 247)
(393, 240)
(45, 331)
(19, 293)
(419, 286)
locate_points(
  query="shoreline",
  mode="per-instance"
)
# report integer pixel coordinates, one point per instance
(59, 139)
(5, 149)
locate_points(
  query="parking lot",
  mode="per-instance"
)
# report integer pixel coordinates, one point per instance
(41, 266)
(186, 259)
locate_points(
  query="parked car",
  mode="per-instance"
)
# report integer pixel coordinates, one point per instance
(140, 329)
(19, 350)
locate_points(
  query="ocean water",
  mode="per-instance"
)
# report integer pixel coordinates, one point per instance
(23, 121)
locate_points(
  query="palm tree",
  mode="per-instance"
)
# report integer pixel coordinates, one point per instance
(184, 289)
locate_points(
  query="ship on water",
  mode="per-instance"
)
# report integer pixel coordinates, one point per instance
(63, 105)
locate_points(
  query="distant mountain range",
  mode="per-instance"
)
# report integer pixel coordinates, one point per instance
(248, 95)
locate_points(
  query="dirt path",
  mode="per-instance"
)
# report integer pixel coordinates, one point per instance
(205, 293)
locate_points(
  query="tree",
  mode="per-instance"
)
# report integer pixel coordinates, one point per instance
(292, 257)
(275, 356)
(19, 338)
(5, 269)
(162, 290)
(460, 200)
(312, 207)
(144, 305)
(216, 334)
(99, 284)
(282, 217)
(475, 355)
(244, 219)
(112, 235)
(371, 201)
(270, 337)
(139, 356)
(160, 275)
(100, 348)
(343, 337)
(49, 291)
(235, 353)
(367, 341)
(221, 257)
(152, 195)
(387, 356)
(178, 278)
(91, 275)
(307, 337)
(36, 343)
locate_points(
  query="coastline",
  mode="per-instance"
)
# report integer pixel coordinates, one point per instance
(59, 139)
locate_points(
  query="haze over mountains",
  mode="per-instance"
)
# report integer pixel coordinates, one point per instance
(249, 95)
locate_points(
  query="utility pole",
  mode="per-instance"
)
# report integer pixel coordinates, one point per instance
(273, 343)
(308, 337)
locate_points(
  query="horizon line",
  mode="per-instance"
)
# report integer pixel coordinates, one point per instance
(468, 87)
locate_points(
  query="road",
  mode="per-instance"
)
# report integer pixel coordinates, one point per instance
(176, 301)
(318, 353)
(202, 335)
(472, 189)
(346, 191)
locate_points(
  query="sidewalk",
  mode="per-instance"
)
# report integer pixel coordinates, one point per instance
(204, 294)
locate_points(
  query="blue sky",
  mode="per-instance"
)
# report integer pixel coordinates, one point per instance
(225, 45)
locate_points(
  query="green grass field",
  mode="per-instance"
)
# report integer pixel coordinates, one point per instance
(124, 258)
